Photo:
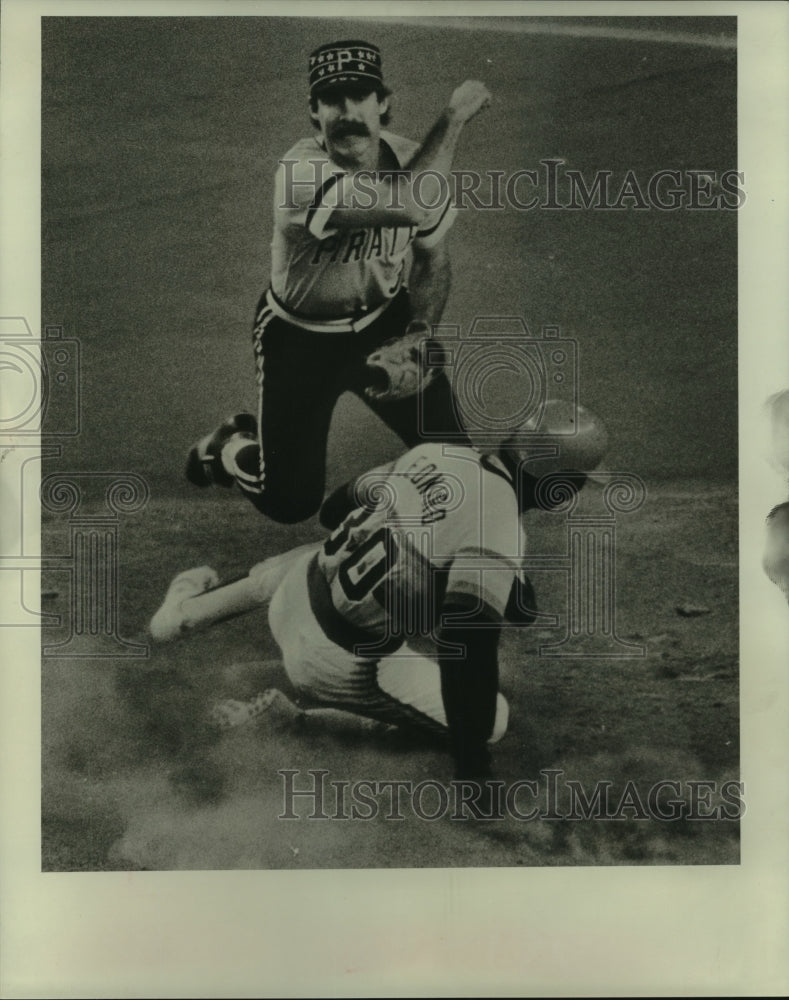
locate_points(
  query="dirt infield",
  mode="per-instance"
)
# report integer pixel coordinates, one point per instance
(134, 778)
(158, 158)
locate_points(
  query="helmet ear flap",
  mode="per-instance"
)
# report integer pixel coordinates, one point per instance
(530, 499)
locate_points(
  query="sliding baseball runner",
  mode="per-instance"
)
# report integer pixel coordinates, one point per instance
(430, 546)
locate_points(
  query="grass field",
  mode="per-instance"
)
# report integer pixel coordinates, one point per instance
(158, 157)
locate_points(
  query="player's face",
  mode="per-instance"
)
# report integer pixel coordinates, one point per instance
(351, 124)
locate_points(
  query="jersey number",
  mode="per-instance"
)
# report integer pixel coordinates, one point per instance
(364, 568)
(368, 565)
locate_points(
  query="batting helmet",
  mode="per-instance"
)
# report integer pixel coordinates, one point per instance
(563, 437)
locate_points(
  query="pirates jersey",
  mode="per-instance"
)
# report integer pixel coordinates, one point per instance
(321, 272)
(444, 532)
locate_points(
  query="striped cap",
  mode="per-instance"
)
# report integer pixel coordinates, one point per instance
(346, 63)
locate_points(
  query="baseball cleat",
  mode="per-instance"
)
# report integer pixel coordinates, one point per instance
(204, 463)
(169, 620)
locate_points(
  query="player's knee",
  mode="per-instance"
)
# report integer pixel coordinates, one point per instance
(279, 507)
(288, 510)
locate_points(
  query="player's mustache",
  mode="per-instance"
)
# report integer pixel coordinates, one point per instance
(343, 129)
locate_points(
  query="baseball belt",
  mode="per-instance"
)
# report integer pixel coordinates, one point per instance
(338, 629)
(349, 324)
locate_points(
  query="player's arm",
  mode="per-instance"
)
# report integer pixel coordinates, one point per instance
(400, 367)
(469, 686)
(400, 199)
(485, 535)
(358, 492)
(429, 281)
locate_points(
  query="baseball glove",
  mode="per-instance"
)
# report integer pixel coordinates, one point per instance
(399, 367)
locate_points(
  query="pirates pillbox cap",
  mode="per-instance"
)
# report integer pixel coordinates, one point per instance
(349, 63)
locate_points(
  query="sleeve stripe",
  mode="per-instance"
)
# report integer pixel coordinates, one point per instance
(478, 557)
(313, 215)
(460, 606)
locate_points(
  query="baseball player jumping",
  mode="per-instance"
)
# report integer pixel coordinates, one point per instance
(428, 546)
(352, 203)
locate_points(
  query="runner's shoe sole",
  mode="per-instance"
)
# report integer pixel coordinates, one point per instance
(204, 461)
